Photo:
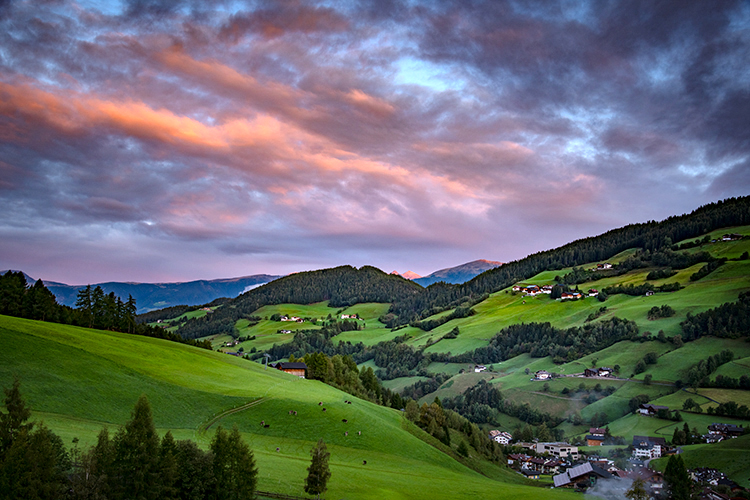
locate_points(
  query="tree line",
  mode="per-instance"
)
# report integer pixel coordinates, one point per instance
(133, 464)
(94, 309)
(729, 320)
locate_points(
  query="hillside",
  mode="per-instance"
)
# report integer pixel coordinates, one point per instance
(458, 274)
(79, 380)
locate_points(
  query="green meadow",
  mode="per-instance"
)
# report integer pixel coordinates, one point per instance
(79, 380)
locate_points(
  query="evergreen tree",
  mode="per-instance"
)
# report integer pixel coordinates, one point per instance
(463, 449)
(233, 466)
(137, 455)
(168, 467)
(13, 423)
(318, 473)
(195, 480)
(677, 478)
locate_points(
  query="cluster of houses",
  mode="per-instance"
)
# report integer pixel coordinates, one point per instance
(534, 290)
(292, 318)
(350, 316)
(569, 470)
(602, 267)
(720, 432)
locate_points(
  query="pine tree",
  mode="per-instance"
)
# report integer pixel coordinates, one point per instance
(318, 472)
(677, 478)
(137, 455)
(13, 424)
(234, 466)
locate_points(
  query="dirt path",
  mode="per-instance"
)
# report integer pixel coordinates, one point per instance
(203, 428)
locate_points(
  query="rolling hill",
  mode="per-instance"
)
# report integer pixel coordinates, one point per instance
(78, 380)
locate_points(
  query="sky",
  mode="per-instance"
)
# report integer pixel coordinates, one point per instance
(155, 140)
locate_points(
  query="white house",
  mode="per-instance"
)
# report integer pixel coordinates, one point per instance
(560, 450)
(646, 447)
(502, 438)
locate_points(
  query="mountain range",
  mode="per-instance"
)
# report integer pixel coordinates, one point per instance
(153, 296)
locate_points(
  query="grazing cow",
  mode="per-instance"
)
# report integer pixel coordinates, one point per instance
(295, 412)
(267, 426)
(348, 402)
(346, 433)
(320, 404)
(344, 420)
(277, 449)
(262, 423)
(364, 462)
(359, 433)
(324, 409)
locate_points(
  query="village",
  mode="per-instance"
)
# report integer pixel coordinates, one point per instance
(565, 465)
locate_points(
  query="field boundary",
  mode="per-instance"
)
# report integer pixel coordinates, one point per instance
(280, 496)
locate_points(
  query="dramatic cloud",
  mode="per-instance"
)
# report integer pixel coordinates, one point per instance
(161, 140)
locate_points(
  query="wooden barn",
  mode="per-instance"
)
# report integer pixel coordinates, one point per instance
(295, 368)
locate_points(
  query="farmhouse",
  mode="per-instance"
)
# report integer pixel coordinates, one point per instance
(593, 292)
(479, 368)
(542, 375)
(595, 437)
(603, 266)
(296, 368)
(597, 372)
(645, 447)
(571, 296)
(502, 438)
(650, 410)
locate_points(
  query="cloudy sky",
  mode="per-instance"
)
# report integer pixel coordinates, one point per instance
(163, 140)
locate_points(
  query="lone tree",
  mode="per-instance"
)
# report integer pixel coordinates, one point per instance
(637, 491)
(318, 473)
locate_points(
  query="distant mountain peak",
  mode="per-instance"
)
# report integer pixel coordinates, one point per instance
(459, 274)
(409, 275)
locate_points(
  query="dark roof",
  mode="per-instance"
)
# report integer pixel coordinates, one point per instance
(648, 440)
(647, 406)
(291, 366)
(594, 438)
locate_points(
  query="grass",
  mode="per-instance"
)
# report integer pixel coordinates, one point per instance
(78, 380)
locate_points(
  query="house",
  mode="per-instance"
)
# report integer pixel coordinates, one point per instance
(593, 292)
(530, 474)
(726, 430)
(650, 410)
(595, 437)
(560, 450)
(646, 447)
(584, 475)
(590, 372)
(542, 375)
(502, 438)
(294, 368)
(649, 293)
(479, 368)
(571, 296)
(603, 266)
(547, 289)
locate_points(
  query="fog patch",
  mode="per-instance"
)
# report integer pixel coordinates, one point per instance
(250, 287)
(609, 489)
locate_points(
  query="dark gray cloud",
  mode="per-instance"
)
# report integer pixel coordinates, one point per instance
(172, 140)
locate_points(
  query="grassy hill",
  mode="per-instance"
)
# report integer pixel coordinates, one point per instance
(78, 380)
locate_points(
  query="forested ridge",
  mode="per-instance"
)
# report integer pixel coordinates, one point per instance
(345, 285)
(342, 286)
(651, 236)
